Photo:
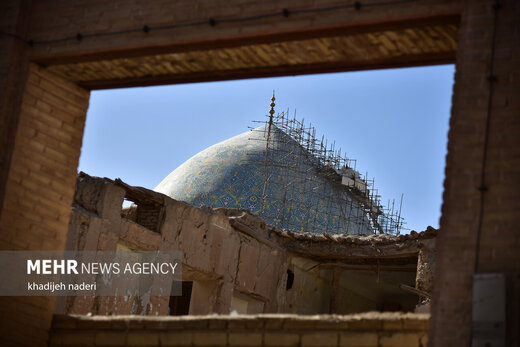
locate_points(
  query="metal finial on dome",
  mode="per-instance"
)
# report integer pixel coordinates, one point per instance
(271, 111)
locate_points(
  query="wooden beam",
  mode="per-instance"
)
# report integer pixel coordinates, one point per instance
(252, 233)
(406, 250)
(336, 276)
(367, 268)
(415, 291)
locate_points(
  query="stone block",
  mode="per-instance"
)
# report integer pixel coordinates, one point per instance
(358, 340)
(74, 338)
(281, 339)
(392, 324)
(176, 339)
(399, 340)
(209, 339)
(245, 339)
(110, 338)
(142, 338)
(320, 339)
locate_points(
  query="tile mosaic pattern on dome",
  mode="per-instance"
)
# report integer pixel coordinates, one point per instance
(234, 174)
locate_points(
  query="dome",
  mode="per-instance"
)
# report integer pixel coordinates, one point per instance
(281, 182)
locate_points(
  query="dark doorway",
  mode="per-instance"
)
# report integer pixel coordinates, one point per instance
(180, 305)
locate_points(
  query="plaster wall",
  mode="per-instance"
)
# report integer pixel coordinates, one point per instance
(234, 260)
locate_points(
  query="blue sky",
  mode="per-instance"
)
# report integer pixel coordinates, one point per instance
(394, 122)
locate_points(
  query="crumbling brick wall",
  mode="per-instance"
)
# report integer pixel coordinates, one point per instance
(148, 216)
(213, 251)
(230, 255)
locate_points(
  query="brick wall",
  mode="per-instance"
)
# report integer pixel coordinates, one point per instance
(13, 74)
(499, 241)
(148, 216)
(40, 188)
(369, 329)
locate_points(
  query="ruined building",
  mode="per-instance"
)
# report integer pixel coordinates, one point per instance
(234, 261)
(267, 222)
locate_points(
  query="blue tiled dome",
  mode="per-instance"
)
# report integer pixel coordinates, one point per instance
(295, 194)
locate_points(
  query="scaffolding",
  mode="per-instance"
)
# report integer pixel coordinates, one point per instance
(310, 185)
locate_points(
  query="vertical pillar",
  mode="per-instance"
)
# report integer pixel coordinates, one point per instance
(425, 270)
(480, 212)
(39, 189)
(336, 276)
